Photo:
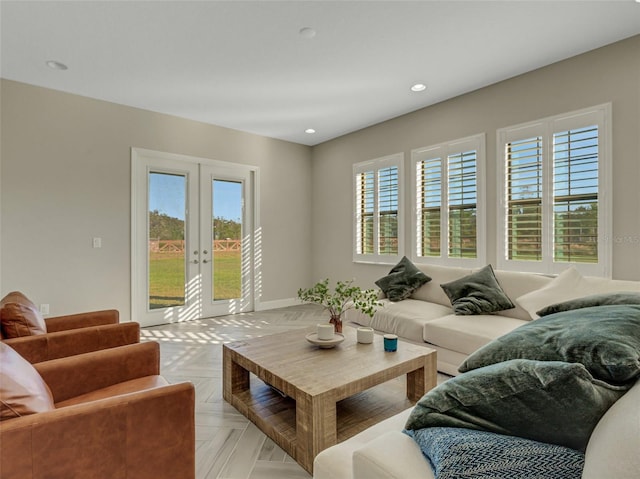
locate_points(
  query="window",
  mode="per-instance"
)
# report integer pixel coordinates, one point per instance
(555, 210)
(378, 210)
(449, 202)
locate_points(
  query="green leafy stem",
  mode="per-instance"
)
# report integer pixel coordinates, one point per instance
(343, 297)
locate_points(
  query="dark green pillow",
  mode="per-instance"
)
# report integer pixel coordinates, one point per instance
(547, 401)
(478, 293)
(605, 339)
(403, 279)
(593, 300)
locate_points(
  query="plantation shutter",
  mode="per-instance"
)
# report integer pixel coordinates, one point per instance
(524, 199)
(365, 201)
(461, 200)
(378, 230)
(449, 217)
(556, 187)
(429, 192)
(575, 195)
(388, 210)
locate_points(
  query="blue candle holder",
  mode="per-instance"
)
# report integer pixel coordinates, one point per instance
(390, 342)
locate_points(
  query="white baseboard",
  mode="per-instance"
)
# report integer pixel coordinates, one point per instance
(278, 303)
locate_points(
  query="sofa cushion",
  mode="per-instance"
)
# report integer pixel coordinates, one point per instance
(22, 389)
(595, 285)
(403, 279)
(335, 461)
(457, 453)
(521, 398)
(431, 291)
(477, 293)
(391, 455)
(606, 339)
(516, 284)
(405, 318)
(563, 287)
(467, 334)
(614, 444)
(20, 317)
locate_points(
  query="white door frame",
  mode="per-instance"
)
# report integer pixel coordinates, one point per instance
(141, 161)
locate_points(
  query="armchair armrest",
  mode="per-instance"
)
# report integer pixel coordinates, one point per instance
(82, 320)
(147, 434)
(45, 347)
(76, 375)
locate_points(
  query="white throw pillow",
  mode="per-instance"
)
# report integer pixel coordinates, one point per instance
(565, 286)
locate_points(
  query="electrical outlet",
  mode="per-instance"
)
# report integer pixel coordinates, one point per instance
(44, 309)
(97, 242)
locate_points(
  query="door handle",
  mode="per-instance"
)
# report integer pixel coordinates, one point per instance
(195, 261)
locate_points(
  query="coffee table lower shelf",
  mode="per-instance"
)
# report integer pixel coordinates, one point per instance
(276, 415)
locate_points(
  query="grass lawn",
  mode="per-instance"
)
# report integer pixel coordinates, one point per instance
(167, 278)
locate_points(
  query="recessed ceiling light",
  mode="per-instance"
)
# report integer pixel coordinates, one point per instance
(419, 87)
(57, 65)
(307, 32)
(310, 131)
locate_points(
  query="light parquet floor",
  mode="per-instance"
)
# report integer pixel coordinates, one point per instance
(228, 445)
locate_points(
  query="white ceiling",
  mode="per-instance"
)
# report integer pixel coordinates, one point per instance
(245, 65)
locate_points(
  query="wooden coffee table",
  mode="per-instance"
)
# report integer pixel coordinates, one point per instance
(315, 413)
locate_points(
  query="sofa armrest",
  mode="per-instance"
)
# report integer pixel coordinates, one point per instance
(45, 347)
(82, 320)
(147, 434)
(75, 375)
(393, 455)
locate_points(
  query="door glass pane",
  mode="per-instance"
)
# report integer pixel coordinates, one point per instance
(166, 227)
(227, 239)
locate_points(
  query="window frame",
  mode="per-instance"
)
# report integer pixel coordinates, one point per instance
(375, 165)
(546, 128)
(445, 150)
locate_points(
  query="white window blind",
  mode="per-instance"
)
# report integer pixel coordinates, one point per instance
(388, 210)
(524, 199)
(378, 210)
(575, 195)
(365, 209)
(556, 212)
(429, 187)
(462, 197)
(449, 219)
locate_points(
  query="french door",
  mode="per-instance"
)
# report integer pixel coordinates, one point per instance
(192, 251)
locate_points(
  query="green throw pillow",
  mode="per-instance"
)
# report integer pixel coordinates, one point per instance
(605, 339)
(477, 293)
(547, 401)
(593, 300)
(403, 279)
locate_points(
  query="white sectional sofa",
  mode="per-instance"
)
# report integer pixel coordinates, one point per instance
(427, 317)
(384, 452)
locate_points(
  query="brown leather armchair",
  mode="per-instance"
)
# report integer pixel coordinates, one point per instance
(38, 339)
(109, 415)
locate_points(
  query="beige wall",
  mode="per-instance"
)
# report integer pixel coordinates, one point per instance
(66, 174)
(65, 178)
(610, 74)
